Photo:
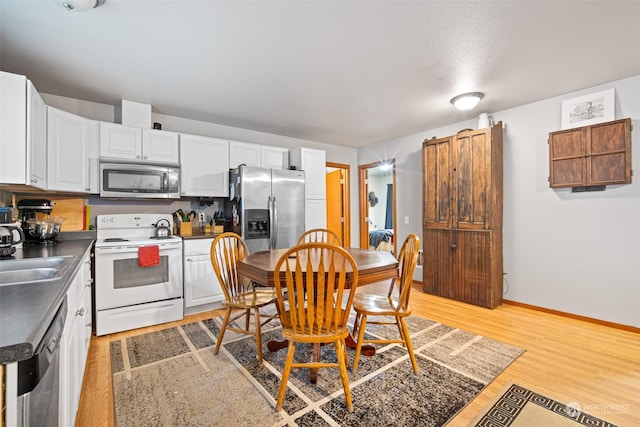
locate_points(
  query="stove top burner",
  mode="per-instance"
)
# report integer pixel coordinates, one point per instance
(116, 239)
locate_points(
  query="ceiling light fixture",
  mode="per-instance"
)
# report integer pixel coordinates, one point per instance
(78, 5)
(467, 101)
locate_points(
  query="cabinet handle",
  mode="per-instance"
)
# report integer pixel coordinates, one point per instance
(80, 312)
(453, 246)
(34, 180)
(137, 156)
(145, 157)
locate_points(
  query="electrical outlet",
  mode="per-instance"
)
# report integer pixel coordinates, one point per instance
(406, 219)
(201, 217)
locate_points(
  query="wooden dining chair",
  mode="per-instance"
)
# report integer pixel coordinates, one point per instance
(320, 235)
(310, 302)
(226, 250)
(390, 305)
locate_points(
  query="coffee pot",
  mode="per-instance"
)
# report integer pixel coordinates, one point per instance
(8, 239)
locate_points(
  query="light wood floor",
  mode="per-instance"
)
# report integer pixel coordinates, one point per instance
(566, 359)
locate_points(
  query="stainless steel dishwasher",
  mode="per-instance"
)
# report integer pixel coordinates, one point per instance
(39, 378)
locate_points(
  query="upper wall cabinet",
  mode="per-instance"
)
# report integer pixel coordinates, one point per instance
(313, 163)
(23, 133)
(73, 152)
(204, 167)
(134, 144)
(264, 156)
(593, 155)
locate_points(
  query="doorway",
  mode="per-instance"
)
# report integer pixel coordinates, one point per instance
(377, 184)
(338, 206)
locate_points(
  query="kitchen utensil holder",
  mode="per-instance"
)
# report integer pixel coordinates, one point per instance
(186, 229)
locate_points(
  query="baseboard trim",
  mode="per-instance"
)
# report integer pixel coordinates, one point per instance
(574, 316)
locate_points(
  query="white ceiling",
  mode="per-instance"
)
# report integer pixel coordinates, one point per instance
(348, 73)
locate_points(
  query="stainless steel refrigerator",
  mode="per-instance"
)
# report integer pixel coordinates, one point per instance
(266, 206)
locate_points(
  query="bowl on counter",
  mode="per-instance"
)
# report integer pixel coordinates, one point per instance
(45, 228)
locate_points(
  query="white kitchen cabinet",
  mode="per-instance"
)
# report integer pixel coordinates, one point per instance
(315, 213)
(204, 166)
(120, 142)
(313, 163)
(74, 344)
(274, 157)
(202, 289)
(72, 143)
(159, 146)
(129, 143)
(23, 132)
(264, 156)
(244, 153)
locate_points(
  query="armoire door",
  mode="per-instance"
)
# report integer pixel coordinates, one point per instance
(437, 197)
(471, 177)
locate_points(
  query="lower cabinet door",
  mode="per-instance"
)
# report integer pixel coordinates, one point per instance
(201, 284)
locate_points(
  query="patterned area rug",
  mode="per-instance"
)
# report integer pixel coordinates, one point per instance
(172, 378)
(520, 407)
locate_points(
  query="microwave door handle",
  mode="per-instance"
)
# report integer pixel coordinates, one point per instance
(165, 182)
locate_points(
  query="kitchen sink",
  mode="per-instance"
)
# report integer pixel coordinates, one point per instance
(13, 272)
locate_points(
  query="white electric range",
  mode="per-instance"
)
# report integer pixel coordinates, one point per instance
(128, 295)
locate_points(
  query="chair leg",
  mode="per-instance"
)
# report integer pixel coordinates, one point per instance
(407, 338)
(402, 337)
(285, 375)
(340, 346)
(222, 329)
(356, 357)
(247, 319)
(258, 336)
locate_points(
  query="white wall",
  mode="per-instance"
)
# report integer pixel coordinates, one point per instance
(573, 252)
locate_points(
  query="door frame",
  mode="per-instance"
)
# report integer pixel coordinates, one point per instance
(346, 201)
(363, 200)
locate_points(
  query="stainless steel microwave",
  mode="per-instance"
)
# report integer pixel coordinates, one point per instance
(124, 180)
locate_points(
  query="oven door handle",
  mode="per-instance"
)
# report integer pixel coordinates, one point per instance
(134, 249)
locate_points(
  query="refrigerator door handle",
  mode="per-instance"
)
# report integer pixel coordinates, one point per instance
(270, 222)
(275, 222)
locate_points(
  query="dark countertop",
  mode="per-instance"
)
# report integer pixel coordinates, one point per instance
(27, 309)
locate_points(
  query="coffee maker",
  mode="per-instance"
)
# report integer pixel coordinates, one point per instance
(29, 209)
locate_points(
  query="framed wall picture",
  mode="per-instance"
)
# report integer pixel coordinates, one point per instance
(589, 109)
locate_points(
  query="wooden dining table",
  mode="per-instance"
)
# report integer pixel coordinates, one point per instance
(373, 266)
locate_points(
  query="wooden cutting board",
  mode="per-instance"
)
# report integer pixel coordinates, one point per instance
(71, 208)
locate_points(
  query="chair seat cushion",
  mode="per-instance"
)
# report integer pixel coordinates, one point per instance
(378, 305)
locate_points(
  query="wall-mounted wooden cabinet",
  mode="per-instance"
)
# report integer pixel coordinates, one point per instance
(591, 155)
(462, 216)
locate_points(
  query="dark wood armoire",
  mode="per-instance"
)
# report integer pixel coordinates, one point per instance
(462, 216)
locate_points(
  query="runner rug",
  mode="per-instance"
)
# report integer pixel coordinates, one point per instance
(172, 378)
